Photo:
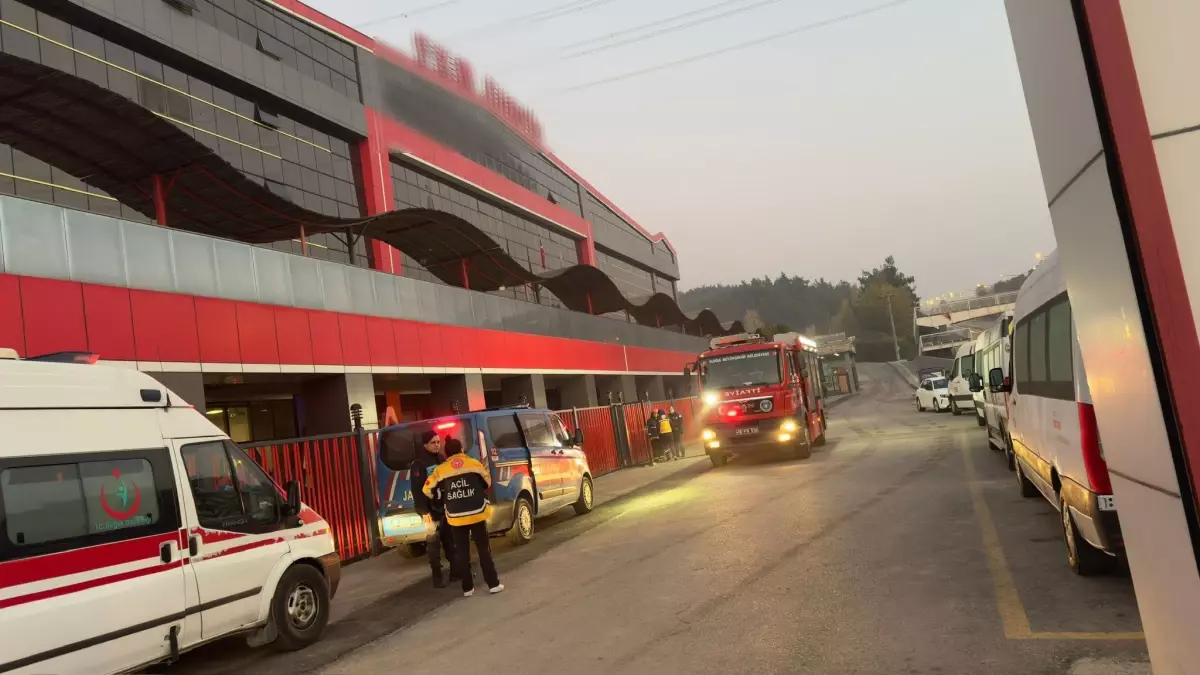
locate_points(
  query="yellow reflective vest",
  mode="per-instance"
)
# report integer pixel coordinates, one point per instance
(664, 426)
(463, 484)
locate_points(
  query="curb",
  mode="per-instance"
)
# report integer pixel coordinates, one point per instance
(905, 373)
(842, 399)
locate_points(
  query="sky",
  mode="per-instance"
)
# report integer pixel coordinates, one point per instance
(897, 132)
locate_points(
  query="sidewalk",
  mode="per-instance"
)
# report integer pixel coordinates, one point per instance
(364, 581)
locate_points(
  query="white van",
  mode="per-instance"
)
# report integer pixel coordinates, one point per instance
(1055, 441)
(993, 349)
(134, 530)
(961, 397)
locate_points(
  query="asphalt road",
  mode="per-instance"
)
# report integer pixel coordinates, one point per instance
(876, 555)
(902, 546)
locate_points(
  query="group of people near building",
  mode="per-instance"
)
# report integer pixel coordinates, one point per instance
(665, 431)
(449, 489)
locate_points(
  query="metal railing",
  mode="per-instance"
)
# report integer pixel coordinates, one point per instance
(947, 338)
(967, 304)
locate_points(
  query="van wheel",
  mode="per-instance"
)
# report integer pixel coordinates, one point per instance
(584, 503)
(718, 459)
(1028, 489)
(954, 408)
(300, 608)
(1083, 558)
(412, 551)
(980, 419)
(820, 440)
(521, 532)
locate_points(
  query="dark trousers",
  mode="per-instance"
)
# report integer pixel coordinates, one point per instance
(435, 543)
(677, 437)
(463, 534)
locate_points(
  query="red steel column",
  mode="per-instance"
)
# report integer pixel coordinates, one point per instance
(160, 201)
(376, 169)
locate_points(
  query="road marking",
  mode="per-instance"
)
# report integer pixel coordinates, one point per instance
(1008, 601)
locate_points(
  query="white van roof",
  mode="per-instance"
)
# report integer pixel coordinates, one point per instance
(1044, 284)
(43, 385)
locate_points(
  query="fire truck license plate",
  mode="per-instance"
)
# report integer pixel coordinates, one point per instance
(746, 431)
(1106, 503)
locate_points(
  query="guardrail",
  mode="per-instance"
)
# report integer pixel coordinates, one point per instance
(967, 304)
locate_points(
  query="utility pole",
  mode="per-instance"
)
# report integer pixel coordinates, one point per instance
(892, 319)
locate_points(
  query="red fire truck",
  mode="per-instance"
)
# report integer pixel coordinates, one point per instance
(760, 395)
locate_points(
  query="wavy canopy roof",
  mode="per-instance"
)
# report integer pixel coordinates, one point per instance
(118, 146)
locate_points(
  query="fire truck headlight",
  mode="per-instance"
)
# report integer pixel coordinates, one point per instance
(788, 426)
(784, 438)
(710, 398)
(708, 434)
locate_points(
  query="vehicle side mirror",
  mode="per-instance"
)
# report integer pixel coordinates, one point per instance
(292, 489)
(996, 381)
(976, 383)
(577, 438)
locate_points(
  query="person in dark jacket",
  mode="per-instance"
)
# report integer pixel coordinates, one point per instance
(430, 506)
(676, 432)
(652, 433)
(463, 483)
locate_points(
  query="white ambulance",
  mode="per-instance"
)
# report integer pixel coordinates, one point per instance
(132, 529)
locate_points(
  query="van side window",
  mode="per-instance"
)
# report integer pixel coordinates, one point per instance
(504, 432)
(231, 492)
(559, 429)
(954, 369)
(58, 503)
(1037, 348)
(537, 430)
(1059, 351)
(1021, 354)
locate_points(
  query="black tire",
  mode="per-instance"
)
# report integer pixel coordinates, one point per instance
(521, 532)
(1028, 489)
(583, 505)
(920, 408)
(1083, 558)
(718, 459)
(820, 440)
(981, 420)
(1009, 456)
(412, 551)
(802, 447)
(954, 408)
(300, 608)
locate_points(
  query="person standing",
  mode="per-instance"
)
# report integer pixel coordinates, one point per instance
(676, 431)
(463, 484)
(665, 434)
(429, 505)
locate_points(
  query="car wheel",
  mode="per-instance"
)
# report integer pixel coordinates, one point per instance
(1083, 558)
(521, 532)
(300, 608)
(954, 408)
(920, 408)
(718, 459)
(1028, 489)
(584, 503)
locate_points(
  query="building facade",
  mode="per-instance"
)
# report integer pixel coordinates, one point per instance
(281, 217)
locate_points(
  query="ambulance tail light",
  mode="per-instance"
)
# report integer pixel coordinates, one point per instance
(1093, 451)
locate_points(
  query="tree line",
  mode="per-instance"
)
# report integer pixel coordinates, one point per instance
(821, 307)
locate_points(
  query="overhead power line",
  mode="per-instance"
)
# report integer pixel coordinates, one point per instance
(735, 47)
(651, 24)
(546, 14)
(407, 13)
(670, 29)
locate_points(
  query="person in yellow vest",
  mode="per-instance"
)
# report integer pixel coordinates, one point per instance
(463, 483)
(665, 434)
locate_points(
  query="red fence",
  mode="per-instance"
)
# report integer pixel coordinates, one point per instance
(600, 443)
(327, 469)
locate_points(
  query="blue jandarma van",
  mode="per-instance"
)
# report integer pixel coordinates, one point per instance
(537, 468)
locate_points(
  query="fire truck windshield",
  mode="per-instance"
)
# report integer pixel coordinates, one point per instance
(740, 370)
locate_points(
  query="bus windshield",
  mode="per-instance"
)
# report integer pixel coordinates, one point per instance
(741, 370)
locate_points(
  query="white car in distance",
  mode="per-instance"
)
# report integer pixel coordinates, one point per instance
(933, 394)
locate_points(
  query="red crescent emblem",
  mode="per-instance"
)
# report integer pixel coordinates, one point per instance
(122, 515)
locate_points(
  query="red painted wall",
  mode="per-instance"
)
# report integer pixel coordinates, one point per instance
(39, 316)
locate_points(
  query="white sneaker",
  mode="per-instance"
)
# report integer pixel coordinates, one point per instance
(497, 589)
(467, 594)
